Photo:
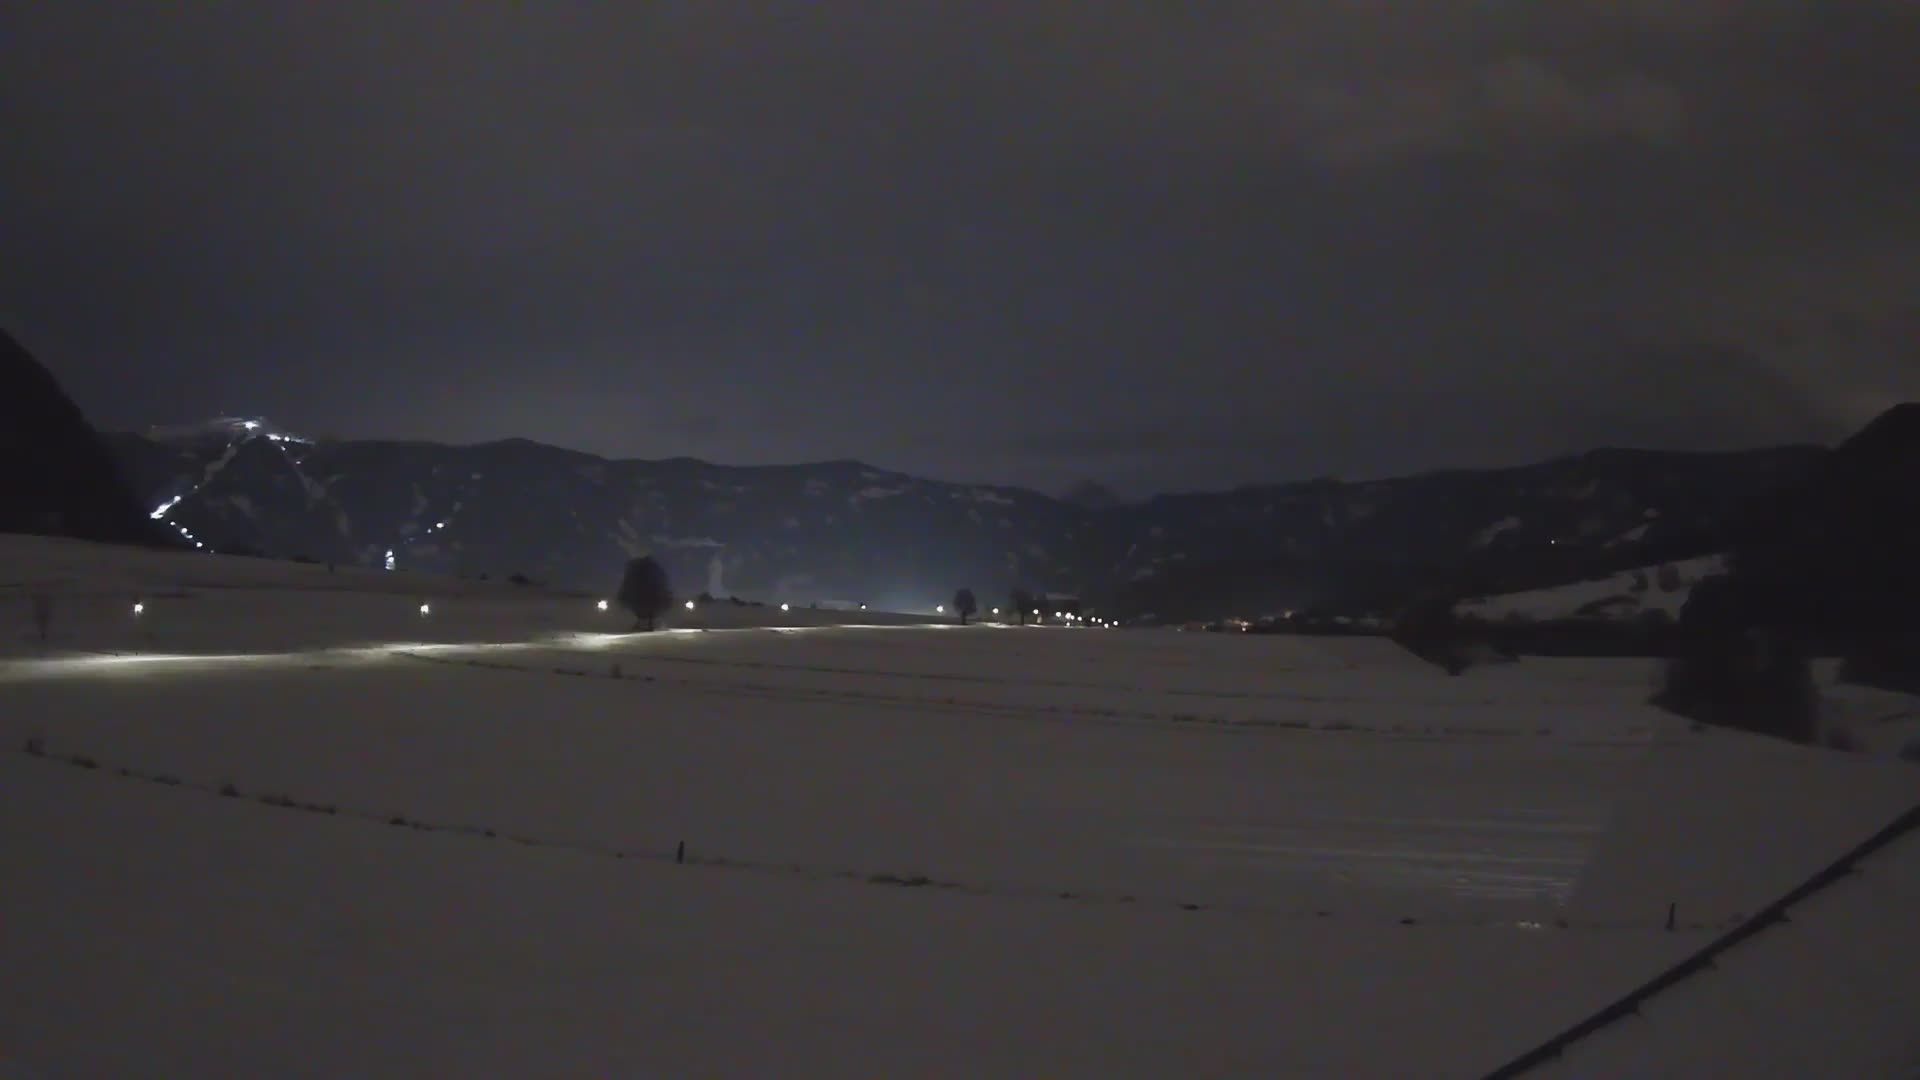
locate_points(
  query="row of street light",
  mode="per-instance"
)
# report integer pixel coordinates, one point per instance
(426, 609)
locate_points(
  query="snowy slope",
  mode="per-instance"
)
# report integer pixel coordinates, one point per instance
(911, 848)
(1627, 595)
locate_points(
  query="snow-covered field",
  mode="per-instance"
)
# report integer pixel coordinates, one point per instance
(452, 843)
(1625, 595)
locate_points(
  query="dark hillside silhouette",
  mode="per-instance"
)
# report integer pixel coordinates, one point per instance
(56, 476)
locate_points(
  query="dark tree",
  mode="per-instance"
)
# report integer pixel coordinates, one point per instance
(1022, 604)
(645, 592)
(1735, 666)
(965, 604)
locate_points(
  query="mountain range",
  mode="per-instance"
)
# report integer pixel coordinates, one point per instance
(843, 532)
(846, 532)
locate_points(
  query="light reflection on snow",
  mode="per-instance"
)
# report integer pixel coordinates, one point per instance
(101, 663)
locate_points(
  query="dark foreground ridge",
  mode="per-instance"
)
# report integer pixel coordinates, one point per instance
(57, 477)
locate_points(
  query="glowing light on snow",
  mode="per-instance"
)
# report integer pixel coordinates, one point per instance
(250, 425)
(602, 605)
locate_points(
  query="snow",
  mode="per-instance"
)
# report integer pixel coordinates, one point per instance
(1145, 853)
(687, 542)
(1616, 594)
(1487, 535)
(1829, 992)
(1631, 536)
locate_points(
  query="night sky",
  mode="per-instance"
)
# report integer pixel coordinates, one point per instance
(1156, 245)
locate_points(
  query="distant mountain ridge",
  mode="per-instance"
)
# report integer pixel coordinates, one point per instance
(846, 531)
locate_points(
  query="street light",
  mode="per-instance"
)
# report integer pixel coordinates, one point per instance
(689, 605)
(939, 609)
(786, 607)
(138, 609)
(602, 605)
(426, 609)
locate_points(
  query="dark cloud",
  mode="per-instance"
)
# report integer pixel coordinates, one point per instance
(1167, 245)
